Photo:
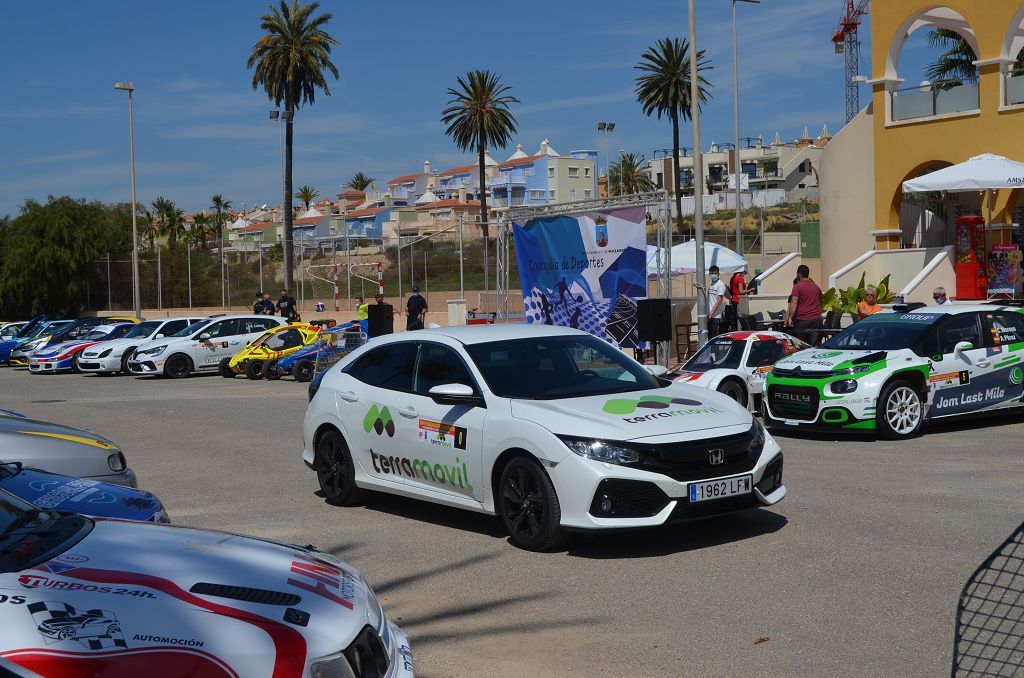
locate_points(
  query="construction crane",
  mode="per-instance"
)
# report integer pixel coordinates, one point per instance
(847, 42)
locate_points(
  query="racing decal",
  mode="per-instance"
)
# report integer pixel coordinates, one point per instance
(168, 640)
(74, 439)
(380, 421)
(421, 469)
(74, 490)
(655, 402)
(441, 434)
(319, 577)
(949, 379)
(824, 355)
(33, 581)
(121, 662)
(982, 392)
(95, 629)
(12, 600)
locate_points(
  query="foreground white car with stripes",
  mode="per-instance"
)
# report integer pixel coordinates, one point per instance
(88, 597)
(550, 428)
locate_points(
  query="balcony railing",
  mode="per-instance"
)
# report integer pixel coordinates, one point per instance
(1015, 87)
(938, 98)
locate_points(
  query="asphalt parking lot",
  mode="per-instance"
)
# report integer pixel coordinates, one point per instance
(857, 572)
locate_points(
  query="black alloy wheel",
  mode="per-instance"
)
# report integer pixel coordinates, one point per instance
(529, 506)
(734, 390)
(124, 360)
(254, 369)
(270, 370)
(75, 367)
(335, 470)
(304, 370)
(178, 366)
(224, 368)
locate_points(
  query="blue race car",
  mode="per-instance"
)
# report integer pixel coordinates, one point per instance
(17, 351)
(336, 342)
(63, 357)
(80, 495)
(23, 333)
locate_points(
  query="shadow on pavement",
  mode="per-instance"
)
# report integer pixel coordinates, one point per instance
(435, 514)
(386, 586)
(966, 422)
(669, 539)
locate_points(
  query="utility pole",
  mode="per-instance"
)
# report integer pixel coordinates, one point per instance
(698, 182)
(736, 123)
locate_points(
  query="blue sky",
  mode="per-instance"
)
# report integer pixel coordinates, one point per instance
(200, 129)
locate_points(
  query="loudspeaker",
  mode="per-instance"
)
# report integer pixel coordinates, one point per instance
(654, 319)
(380, 319)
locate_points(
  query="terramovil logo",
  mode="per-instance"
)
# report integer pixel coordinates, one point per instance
(379, 420)
(1015, 376)
(622, 406)
(826, 354)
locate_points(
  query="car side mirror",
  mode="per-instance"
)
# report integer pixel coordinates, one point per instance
(657, 370)
(455, 394)
(204, 336)
(159, 336)
(962, 346)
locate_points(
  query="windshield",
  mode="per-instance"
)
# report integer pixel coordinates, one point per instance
(884, 332)
(558, 367)
(96, 335)
(29, 535)
(718, 354)
(142, 329)
(194, 327)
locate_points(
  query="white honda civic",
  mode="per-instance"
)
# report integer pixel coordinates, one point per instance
(550, 428)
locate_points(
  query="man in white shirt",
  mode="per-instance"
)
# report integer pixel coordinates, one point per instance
(717, 292)
(939, 295)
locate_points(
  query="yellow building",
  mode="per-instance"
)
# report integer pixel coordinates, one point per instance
(909, 129)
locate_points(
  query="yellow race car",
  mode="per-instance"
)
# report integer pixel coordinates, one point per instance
(273, 344)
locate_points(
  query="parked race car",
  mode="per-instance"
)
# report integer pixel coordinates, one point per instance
(9, 329)
(736, 364)
(15, 352)
(81, 495)
(112, 356)
(274, 344)
(61, 449)
(86, 596)
(69, 330)
(328, 347)
(891, 372)
(551, 428)
(201, 346)
(64, 357)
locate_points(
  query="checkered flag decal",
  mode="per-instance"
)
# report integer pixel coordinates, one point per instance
(86, 631)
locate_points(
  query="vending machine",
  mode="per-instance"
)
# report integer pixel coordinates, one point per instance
(971, 259)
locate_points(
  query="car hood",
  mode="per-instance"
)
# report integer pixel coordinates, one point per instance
(116, 345)
(82, 495)
(677, 410)
(240, 599)
(63, 347)
(55, 448)
(818, 360)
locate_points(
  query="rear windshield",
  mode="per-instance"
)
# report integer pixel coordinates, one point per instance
(717, 354)
(194, 327)
(143, 329)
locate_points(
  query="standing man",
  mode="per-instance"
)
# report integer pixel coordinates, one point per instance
(939, 295)
(286, 305)
(264, 306)
(363, 315)
(415, 310)
(256, 304)
(805, 306)
(737, 289)
(716, 303)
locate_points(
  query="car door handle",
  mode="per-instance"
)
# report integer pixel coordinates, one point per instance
(983, 363)
(348, 396)
(409, 412)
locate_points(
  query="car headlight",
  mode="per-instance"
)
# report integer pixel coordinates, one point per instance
(152, 351)
(757, 429)
(116, 462)
(599, 450)
(844, 386)
(36, 344)
(106, 353)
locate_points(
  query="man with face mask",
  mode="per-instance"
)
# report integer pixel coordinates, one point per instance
(717, 292)
(286, 305)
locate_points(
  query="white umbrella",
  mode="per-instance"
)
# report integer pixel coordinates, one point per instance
(684, 258)
(981, 173)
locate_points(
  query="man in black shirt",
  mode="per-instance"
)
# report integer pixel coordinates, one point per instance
(286, 305)
(415, 310)
(264, 306)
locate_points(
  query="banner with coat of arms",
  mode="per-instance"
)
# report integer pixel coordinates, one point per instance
(585, 271)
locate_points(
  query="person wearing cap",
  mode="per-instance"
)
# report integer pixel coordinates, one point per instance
(737, 289)
(415, 310)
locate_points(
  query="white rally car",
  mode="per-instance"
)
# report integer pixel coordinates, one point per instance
(550, 428)
(737, 363)
(99, 597)
(112, 356)
(200, 346)
(891, 372)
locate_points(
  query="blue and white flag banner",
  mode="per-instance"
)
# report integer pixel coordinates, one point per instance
(585, 271)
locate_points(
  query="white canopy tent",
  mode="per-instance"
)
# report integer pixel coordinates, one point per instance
(684, 258)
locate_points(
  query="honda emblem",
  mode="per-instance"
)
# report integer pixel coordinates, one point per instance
(716, 456)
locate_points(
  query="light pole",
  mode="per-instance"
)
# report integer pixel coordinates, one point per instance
(736, 122)
(622, 184)
(607, 128)
(698, 182)
(276, 115)
(136, 299)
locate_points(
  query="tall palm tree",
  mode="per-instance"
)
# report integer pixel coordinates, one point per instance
(220, 209)
(167, 219)
(202, 228)
(628, 175)
(663, 88)
(956, 62)
(290, 62)
(306, 194)
(359, 182)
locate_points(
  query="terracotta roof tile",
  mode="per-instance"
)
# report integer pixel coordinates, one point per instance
(406, 178)
(465, 169)
(308, 220)
(364, 213)
(449, 202)
(521, 161)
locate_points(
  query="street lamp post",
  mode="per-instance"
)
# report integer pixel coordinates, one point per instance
(622, 184)
(136, 297)
(698, 182)
(607, 128)
(736, 123)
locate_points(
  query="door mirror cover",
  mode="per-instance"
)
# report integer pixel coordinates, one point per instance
(455, 394)
(204, 336)
(962, 346)
(657, 370)
(159, 336)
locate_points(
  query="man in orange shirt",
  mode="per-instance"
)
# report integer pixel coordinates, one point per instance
(868, 306)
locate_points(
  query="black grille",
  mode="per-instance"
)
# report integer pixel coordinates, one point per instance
(715, 507)
(691, 460)
(768, 482)
(793, 402)
(248, 595)
(367, 655)
(629, 499)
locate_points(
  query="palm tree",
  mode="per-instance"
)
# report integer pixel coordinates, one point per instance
(290, 62)
(220, 207)
(956, 63)
(202, 228)
(167, 219)
(663, 88)
(629, 175)
(306, 194)
(359, 182)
